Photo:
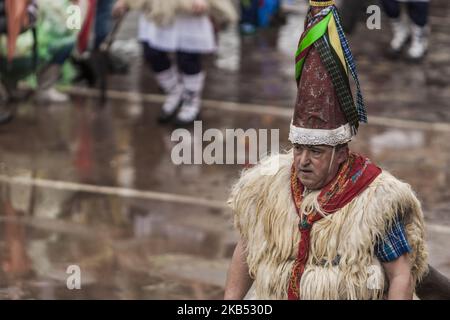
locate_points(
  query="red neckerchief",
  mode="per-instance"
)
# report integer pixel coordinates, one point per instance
(354, 176)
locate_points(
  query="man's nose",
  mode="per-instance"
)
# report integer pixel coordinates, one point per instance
(304, 159)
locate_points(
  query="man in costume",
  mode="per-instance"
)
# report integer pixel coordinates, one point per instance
(329, 224)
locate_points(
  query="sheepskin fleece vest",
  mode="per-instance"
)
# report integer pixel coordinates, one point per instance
(341, 263)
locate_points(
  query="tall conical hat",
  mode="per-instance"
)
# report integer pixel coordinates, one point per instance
(325, 111)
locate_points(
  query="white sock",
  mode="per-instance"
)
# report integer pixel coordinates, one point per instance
(169, 81)
(193, 89)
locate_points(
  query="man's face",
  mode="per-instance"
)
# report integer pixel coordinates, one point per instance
(313, 164)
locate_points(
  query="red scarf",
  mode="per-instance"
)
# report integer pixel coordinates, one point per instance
(354, 176)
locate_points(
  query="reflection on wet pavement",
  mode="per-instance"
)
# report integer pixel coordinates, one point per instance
(96, 187)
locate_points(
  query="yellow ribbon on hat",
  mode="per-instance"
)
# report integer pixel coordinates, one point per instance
(336, 42)
(321, 3)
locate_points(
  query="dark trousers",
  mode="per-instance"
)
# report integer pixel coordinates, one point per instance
(62, 54)
(188, 63)
(418, 11)
(249, 12)
(103, 21)
(3, 21)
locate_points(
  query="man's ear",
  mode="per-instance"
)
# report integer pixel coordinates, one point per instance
(342, 154)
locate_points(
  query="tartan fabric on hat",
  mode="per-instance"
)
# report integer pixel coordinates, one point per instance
(352, 66)
(340, 81)
(313, 19)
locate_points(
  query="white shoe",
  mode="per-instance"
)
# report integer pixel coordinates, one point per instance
(170, 83)
(172, 103)
(419, 43)
(400, 35)
(190, 109)
(51, 95)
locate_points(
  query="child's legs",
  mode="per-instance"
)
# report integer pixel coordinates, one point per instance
(392, 8)
(158, 60)
(189, 63)
(418, 12)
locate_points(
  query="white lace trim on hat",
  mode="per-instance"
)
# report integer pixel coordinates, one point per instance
(335, 137)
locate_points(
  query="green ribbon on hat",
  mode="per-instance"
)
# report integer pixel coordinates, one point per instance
(314, 34)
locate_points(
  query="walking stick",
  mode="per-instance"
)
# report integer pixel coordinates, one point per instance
(103, 58)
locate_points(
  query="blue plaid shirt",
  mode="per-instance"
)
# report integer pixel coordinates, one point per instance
(394, 244)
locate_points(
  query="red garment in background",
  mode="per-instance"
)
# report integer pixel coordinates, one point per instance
(16, 13)
(83, 38)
